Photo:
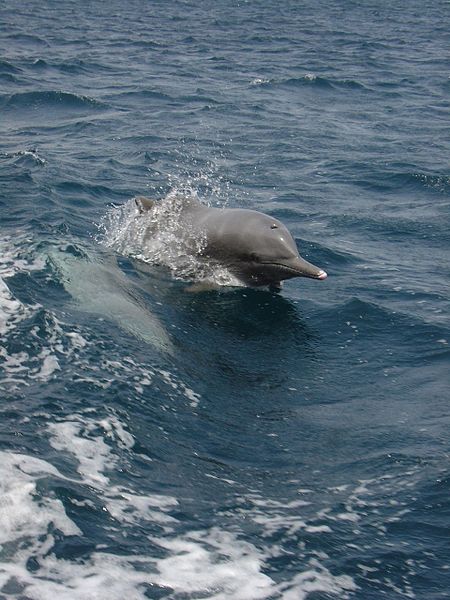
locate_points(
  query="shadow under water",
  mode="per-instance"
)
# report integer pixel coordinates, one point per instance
(239, 337)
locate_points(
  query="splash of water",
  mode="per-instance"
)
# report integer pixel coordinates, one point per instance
(159, 237)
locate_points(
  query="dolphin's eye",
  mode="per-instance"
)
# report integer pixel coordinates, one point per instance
(274, 226)
(254, 257)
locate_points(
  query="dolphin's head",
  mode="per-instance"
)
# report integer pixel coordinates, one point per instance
(261, 251)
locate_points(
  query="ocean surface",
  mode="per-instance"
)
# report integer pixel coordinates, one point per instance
(234, 443)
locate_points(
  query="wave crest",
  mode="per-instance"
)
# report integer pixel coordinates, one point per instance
(48, 99)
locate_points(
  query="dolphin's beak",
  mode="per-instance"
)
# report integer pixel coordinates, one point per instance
(303, 268)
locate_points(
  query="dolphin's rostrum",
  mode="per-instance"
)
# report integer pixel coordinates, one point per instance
(257, 248)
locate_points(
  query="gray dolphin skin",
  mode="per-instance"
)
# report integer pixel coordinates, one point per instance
(257, 248)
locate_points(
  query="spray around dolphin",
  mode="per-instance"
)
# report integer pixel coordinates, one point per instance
(256, 248)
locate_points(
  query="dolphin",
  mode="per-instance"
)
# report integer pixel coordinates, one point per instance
(255, 247)
(98, 287)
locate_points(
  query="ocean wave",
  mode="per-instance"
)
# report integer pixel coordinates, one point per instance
(8, 78)
(80, 66)
(28, 39)
(159, 96)
(198, 96)
(51, 514)
(310, 80)
(39, 64)
(38, 358)
(395, 226)
(143, 94)
(178, 559)
(40, 343)
(27, 158)
(346, 512)
(37, 342)
(50, 342)
(9, 68)
(12, 261)
(374, 316)
(389, 180)
(85, 193)
(325, 255)
(427, 335)
(148, 44)
(71, 66)
(21, 101)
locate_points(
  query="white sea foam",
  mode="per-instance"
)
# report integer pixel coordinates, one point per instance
(275, 516)
(28, 519)
(178, 385)
(31, 153)
(213, 560)
(217, 565)
(20, 515)
(22, 368)
(94, 453)
(317, 579)
(12, 311)
(260, 81)
(214, 563)
(18, 368)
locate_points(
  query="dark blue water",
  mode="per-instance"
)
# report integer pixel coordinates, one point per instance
(233, 444)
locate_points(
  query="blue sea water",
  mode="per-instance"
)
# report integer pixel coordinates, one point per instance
(232, 443)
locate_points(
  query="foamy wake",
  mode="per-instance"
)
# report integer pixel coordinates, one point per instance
(12, 311)
(212, 564)
(47, 341)
(19, 366)
(157, 238)
(37, 346)
(217, 563)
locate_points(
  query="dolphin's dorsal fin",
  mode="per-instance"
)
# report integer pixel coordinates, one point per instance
(144, 203)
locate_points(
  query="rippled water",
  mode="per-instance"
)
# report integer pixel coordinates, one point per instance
(237, 443)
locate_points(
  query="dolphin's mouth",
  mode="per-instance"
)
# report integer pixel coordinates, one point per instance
(304, 269)
(269, 272)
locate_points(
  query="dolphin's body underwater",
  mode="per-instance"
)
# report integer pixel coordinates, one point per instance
(97, 286)
(257, 248)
